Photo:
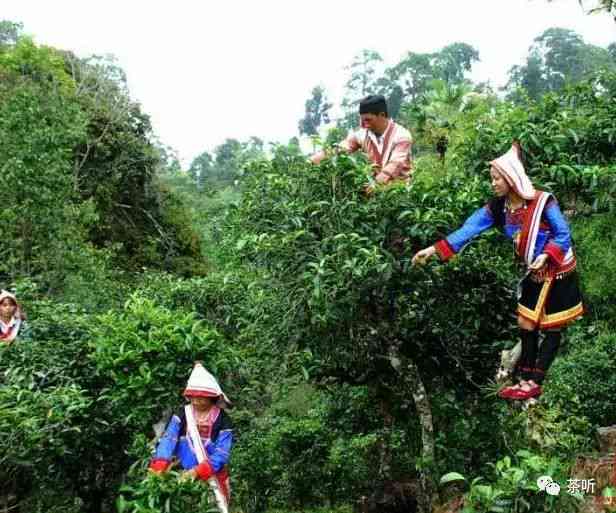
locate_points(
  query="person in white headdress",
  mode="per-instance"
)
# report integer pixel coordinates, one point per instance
(549, 296)
(200, 436)
(11, 317)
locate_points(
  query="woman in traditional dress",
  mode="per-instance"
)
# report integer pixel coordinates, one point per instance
(200, 436)
(11, 317)
(549, 296)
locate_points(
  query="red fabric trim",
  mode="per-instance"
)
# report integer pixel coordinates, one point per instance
(444, 250)
(223, 480)
(554, 252)
(386, 137)
(525, 230)
(204, 470)
(200, 393)
(158, 465)
(567, 267)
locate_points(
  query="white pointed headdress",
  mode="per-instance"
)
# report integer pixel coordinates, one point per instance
(510, 166)
(6, 294)
(202, 384)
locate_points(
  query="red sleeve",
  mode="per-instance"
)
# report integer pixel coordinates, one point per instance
(555, 252)
(158, 465)
(205, 471)
(444, 250)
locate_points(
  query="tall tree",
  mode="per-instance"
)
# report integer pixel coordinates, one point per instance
(364, 73)
(454, 61)
(436, 113)
(9, 32)
(201, 168)
(219, 169)
(317, 112)
(409, 79)
(412, 74)
(557, 57)
(604, 6)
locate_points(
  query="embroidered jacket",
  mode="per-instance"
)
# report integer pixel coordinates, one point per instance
(175, 443)
(8, 332)
(390, 153)
(553, 237)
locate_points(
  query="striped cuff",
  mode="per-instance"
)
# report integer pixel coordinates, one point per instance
(158, 465)
(205, 470)
(444, 250)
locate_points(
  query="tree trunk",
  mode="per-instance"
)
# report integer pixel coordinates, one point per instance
(384, 443)
(607, 439)
(409, 373)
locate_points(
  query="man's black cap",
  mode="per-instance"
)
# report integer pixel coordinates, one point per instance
(373, 104)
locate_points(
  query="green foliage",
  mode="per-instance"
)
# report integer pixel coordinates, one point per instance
(10, 32)
(316, 112)
(513, 487)
(309, 304)
(144, 354)
(39, 124)
(279, 459)
(81, 390)
(79, 175)
(166, 493)
(596, 245)
(568, 140)
(34, 419)
(407, 80)
(583, 378)
(225, 167)
(557, 57)
(333, 250)
(116, 169)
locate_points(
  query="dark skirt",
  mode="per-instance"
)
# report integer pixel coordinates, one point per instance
(551, 303)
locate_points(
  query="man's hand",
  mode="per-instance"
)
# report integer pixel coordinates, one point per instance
(421, 257)
(318, 157)
(539, 262)
(325, 153)
(382, 178)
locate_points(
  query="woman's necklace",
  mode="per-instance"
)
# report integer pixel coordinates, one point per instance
(511, 208)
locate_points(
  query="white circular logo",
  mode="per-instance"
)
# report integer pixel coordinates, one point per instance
(553, 488)
(543, 482)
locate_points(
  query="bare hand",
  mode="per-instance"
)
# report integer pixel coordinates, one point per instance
(382, 178)
(189, 474)
(422, 256)
(539, 262)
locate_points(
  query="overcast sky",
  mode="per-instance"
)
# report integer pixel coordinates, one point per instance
(206, 70)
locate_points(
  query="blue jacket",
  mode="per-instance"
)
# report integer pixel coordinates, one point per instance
(554, 237)
(175, 443)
